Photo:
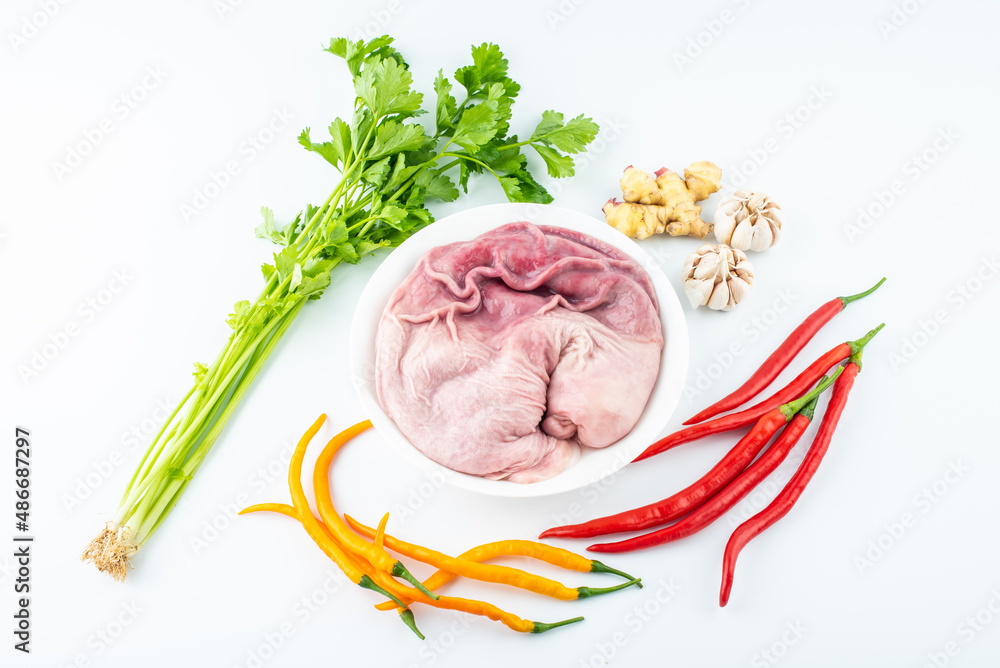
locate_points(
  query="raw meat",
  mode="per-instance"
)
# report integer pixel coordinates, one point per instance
(501, 356)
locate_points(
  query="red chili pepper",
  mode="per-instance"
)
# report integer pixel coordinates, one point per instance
(732, 494)
(734, 420)
(781, 357)
(676, 505)
(782, 503)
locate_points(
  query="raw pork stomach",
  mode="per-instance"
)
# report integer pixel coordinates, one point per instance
(500, 357)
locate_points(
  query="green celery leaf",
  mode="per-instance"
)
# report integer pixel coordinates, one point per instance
(506, 160)
(267, 230)
(315, 266)
(476, 126)
(488, 66)
(291, 231)
(345, 252)
(239, 314)
(313, 286)
(463, 174)
(570, 137)
(356, 53)
(531, 190)
(368, 247)
(392, 215)
(392, 137)
(340, 138)
(285, 262)
(268, 271)
(498, 94)
(442, 188)
(296, 277)
(558, 165)
(447, 107)
(384, 87)
(512, 188)
(334, 233)
(415, 200)
(377, 172)
(400, 172)
(325, 149)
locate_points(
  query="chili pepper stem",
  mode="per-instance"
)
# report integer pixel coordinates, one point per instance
(367, 583)
(858, 346)
(847, 300)
(399, 571)
(792, 407)
(587, 592)
(541, 627)
(856, 356)
(407, 616)
(598, 567)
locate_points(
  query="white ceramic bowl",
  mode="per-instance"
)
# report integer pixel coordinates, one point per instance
(593, 464)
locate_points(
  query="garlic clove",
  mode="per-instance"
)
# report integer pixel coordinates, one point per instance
(721, 299)
(698, 292)
(761, 237)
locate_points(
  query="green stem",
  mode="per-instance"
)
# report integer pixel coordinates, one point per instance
(540, 627)
(792, 407)
(471, 159)
(188, 436)
(861, 295)
(598, 567)
(859, 345)
(587, 592)
(157, 503)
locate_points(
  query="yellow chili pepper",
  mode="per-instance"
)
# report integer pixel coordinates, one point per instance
(351, 569)
(470, 606)
(381, 560)
(486, 573)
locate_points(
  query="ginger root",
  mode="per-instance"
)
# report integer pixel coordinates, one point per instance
(665, 203)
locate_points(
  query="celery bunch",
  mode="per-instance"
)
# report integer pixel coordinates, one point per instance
(390, 166)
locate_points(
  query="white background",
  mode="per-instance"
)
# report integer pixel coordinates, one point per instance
(823, 106)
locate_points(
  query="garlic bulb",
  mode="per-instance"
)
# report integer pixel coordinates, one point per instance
(749, 221)
(717, 276)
